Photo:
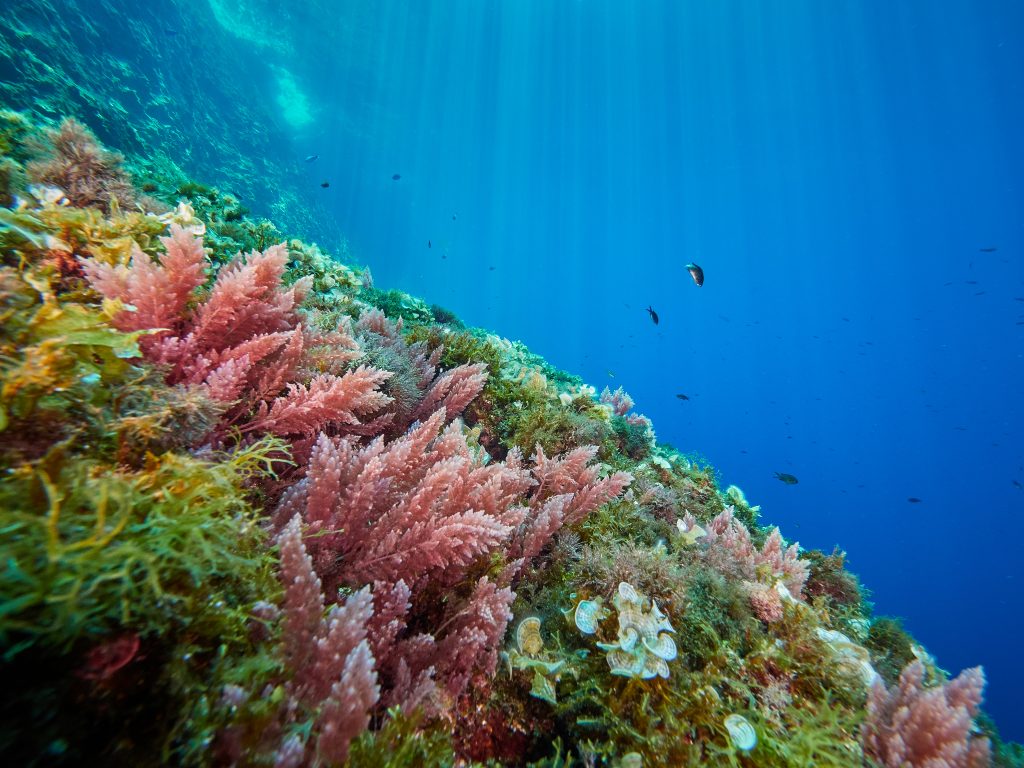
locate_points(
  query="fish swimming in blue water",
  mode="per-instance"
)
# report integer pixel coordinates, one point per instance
(325, 184)
(311, 158)
(396, 176)
(696, 273)
(654, 315)
(787, 478)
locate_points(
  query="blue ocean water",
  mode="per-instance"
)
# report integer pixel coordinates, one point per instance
(849, 175)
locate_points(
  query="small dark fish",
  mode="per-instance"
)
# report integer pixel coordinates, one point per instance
(455, 217)
(1016, 484)
(683, 397)
(913, 499)
(1018, 298)
(787, 478)
(696, 273)
(654, 315)
(490, 269)
(971, 282)
(429, 244)
(311, 158)
(990, 249)
(980, 293)
(325, 184)
(396, 176)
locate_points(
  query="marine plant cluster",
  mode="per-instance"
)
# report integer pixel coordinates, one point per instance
(255, 511)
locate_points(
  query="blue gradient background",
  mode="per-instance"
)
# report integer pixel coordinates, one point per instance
(834, 167)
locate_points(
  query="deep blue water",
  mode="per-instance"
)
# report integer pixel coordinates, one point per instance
(836, 168)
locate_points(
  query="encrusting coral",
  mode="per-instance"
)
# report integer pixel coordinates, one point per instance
(257, 512)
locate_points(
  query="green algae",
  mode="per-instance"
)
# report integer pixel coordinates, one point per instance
(892, 648)
(631, 440)
(405, 741)
(170, 556)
